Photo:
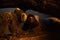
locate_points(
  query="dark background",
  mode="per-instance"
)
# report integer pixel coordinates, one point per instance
(50, 7)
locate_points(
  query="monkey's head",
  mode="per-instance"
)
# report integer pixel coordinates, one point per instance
(21, 15)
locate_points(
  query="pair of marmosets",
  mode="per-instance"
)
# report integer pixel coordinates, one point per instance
(11, 21)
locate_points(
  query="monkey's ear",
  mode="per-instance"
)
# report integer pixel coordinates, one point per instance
(37, 17)
(23, 17)
(18, 9)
